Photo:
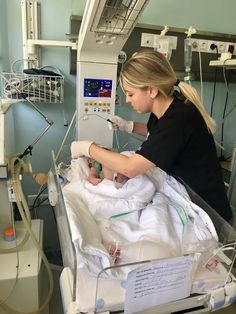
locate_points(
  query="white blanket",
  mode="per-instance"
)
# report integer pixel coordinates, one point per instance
(149, 217)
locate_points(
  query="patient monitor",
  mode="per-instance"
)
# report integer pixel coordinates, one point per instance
(105, 28)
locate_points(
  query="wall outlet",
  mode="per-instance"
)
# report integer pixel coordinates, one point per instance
(153, 40)
(147, 40)
(204, 45)
(41, 200)
(221, 47)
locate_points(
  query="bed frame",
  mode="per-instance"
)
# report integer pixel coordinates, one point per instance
(197, 303)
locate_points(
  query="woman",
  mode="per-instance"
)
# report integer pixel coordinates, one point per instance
(179, 131)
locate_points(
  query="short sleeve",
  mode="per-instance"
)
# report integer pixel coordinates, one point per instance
(167, 140)
(164, 145)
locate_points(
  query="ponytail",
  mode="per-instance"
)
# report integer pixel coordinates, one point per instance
(151, 68)
(191, 94)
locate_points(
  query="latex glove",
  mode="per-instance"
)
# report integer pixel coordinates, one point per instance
(122, 124)
(80, 148)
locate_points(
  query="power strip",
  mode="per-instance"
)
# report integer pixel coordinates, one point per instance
(204, 45)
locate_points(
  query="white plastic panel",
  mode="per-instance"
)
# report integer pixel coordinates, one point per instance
(93, 110)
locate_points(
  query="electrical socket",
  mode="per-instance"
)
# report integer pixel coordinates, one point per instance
(204, 45)
(152, 40)
(221, 47)
(201, 45)
(147, 40)
(41, 200)
(194, 45)
(230, 47)
(209, 45)
(172, 41)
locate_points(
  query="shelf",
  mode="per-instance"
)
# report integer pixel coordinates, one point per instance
(230, 64)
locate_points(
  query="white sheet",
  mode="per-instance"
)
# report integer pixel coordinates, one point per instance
(163, 222)
(169, 225)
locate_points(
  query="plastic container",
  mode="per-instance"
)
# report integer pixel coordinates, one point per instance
(9, 234)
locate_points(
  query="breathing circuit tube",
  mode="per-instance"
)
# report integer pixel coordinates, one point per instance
(17, 165)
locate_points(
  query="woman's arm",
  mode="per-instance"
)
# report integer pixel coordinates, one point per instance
(123, 125)
(128, 166)
(140, 128)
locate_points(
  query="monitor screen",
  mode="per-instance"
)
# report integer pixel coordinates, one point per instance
(97, 88)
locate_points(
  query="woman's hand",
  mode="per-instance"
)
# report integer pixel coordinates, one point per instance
(122, 124)
(80, 148)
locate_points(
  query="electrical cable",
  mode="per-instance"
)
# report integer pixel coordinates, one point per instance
(200, 71)
(222, 158)
(230, 111)
(20, 60)
(213, 46)
(28, 150)
(225, 115)
(227, 87)
(35, 84)
(54, 215)
(42, 89)
(35, 202)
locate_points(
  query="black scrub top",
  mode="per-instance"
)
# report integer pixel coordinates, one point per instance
(181, 144)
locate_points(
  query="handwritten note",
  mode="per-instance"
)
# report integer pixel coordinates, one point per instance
(158, 283)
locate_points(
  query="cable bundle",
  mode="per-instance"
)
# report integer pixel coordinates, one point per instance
(38, 85)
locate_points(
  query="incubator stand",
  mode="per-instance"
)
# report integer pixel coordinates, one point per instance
(195, 303)
(27, 293)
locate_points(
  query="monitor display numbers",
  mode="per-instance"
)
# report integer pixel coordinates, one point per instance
(97, 88)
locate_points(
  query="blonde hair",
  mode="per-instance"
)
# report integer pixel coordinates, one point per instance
(150, 68)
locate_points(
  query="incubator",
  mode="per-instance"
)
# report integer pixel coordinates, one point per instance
(102, 263)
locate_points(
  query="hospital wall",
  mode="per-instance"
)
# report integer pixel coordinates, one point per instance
(55, 24)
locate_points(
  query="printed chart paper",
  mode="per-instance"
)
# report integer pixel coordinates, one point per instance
(158, 283)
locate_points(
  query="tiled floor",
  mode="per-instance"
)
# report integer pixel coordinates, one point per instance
(228, 310)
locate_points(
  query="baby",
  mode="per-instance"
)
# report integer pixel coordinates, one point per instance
(98, 172)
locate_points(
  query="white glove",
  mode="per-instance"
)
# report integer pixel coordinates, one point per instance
(80, 148)
(122, 124)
